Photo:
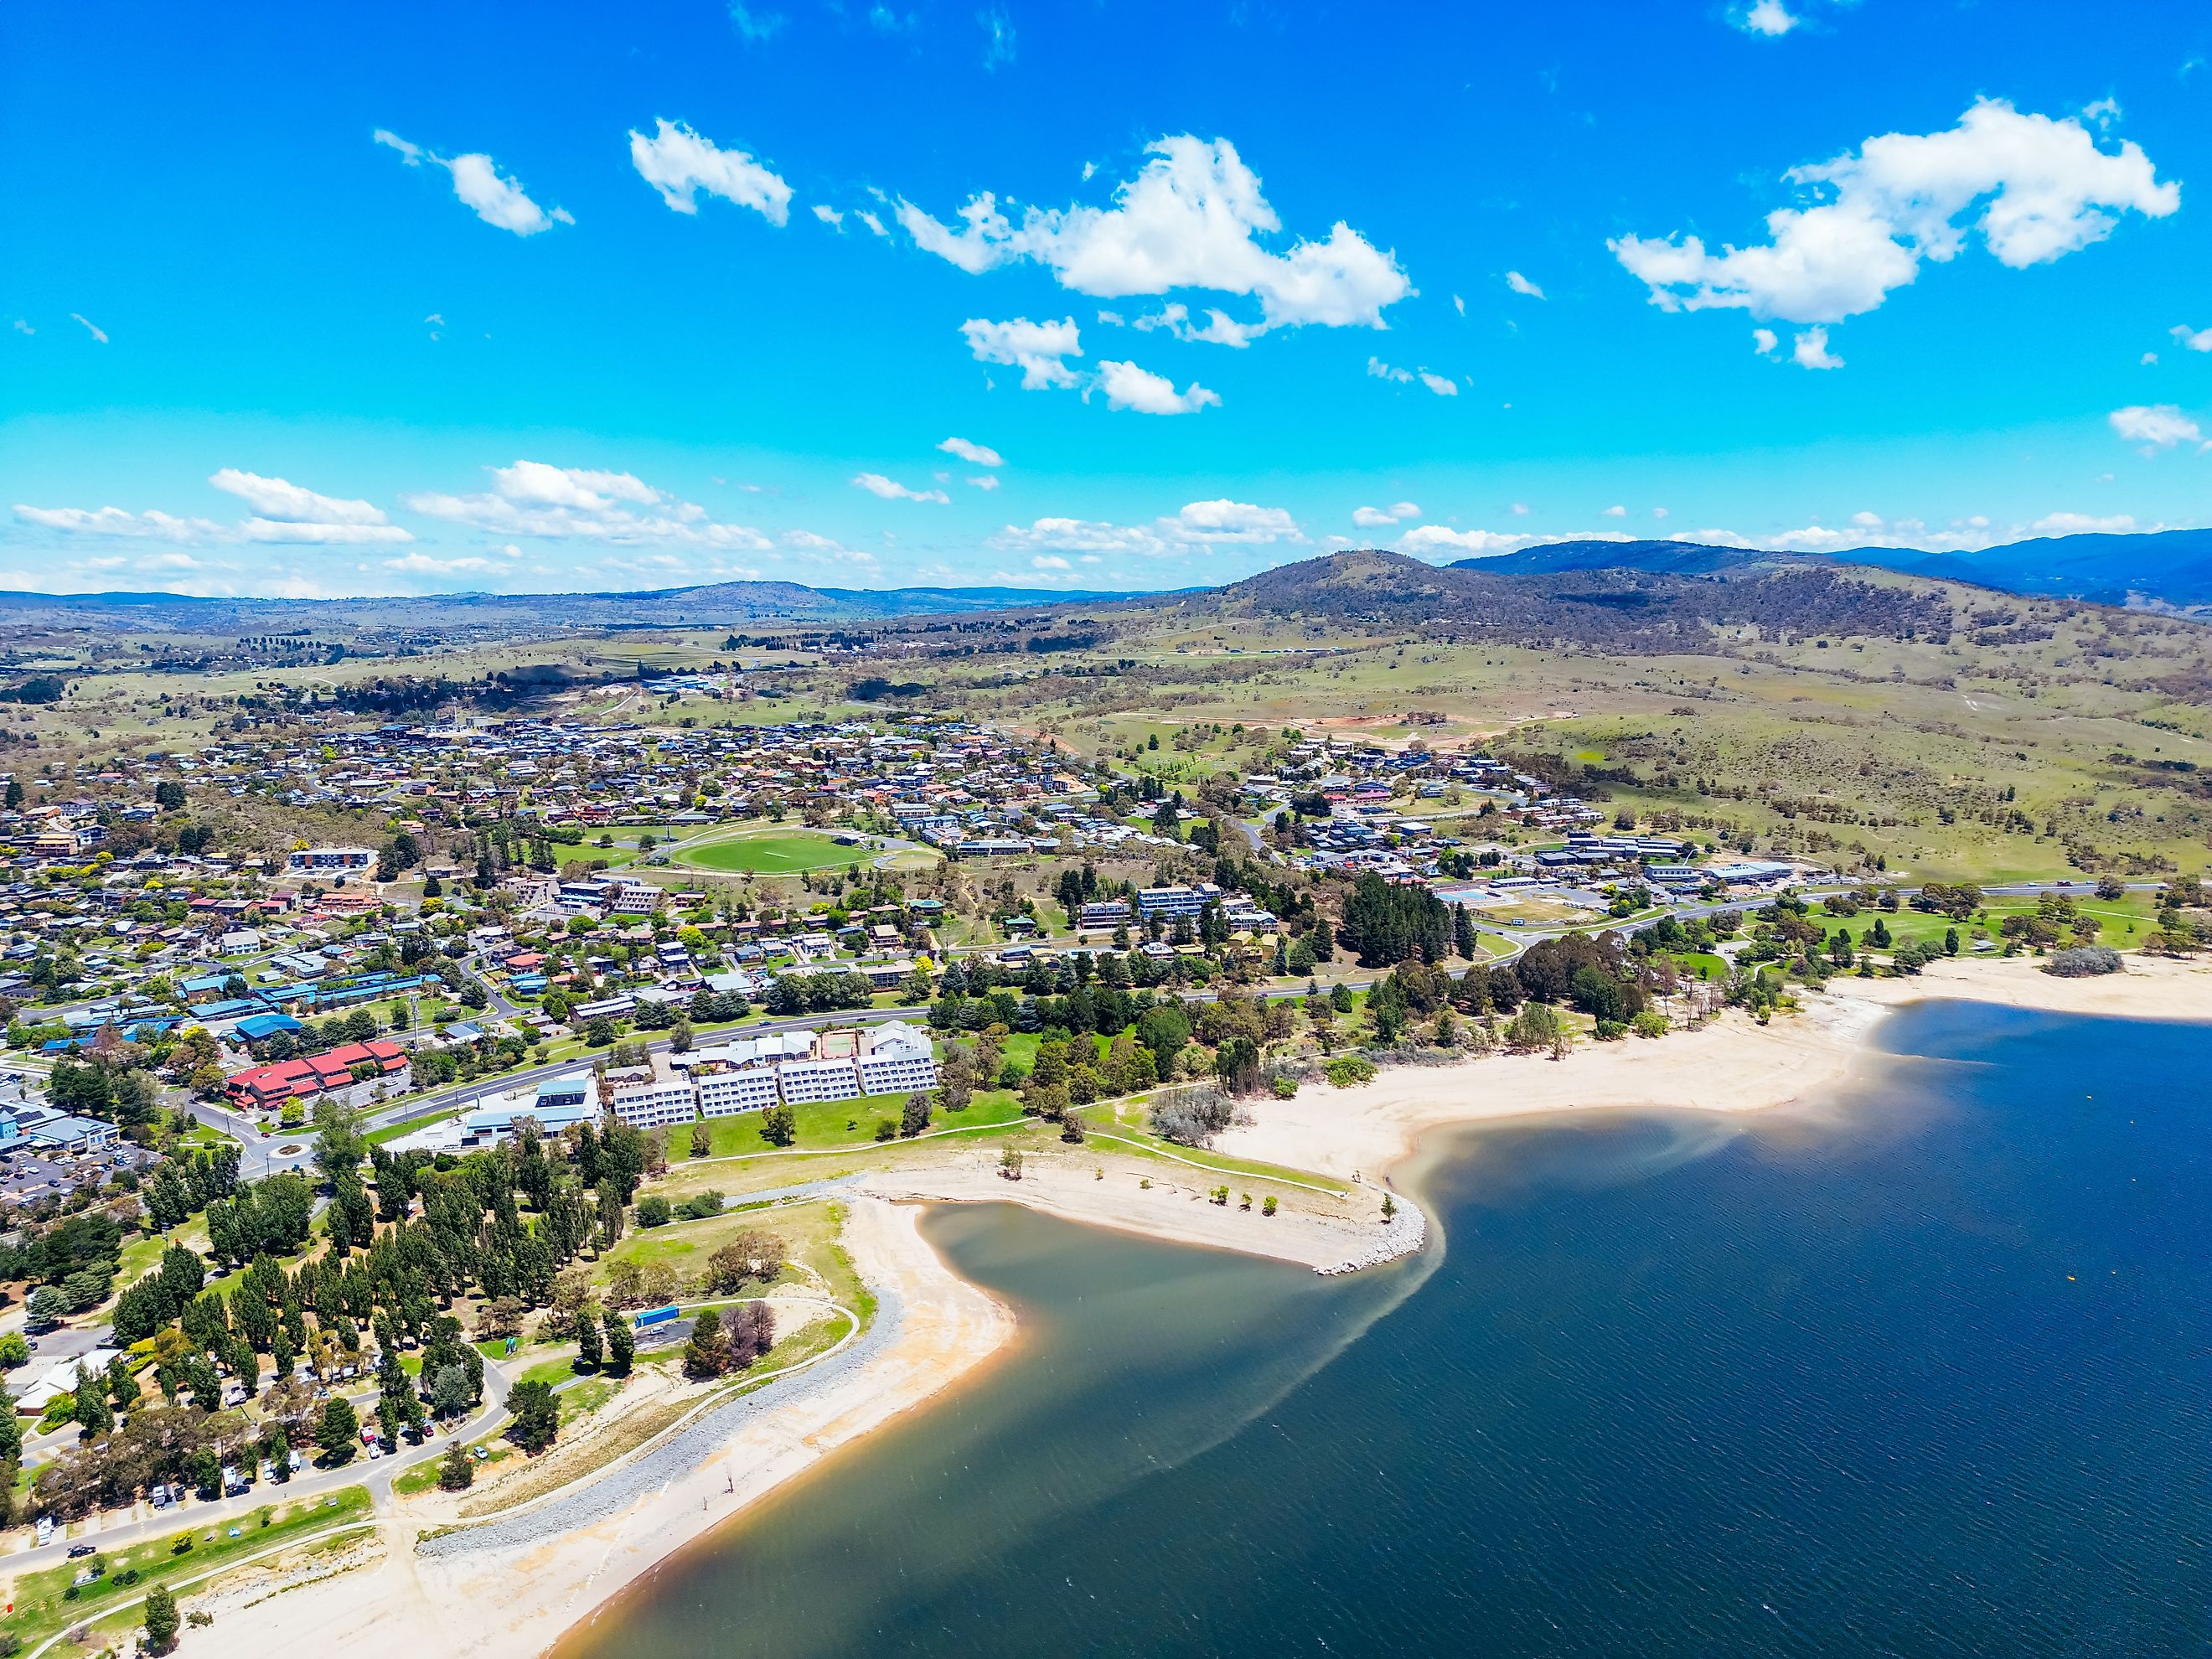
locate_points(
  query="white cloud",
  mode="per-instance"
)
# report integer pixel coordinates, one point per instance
(90, 327)
(1764, 340)
(22, 327)
(1191, 218)
(998, 37)
(890, 490)
(1050, 562)
(2104, 113)
(116, 522)
(1459, 305)
(1616, 512)
(984, 481)
(2148, 358)
(1520, 509)
(2083, 524)
(1127, 386)
(1442, 538)
(2196, 339)
(679, 163)
(497, 198)
(753, 25)
(1810, 349)
(1081, 536)
(1519, 284)
(1767, 17)
(420, 563)
(279, 499)
(1198, 525)
(1436, 383)
(828, 215)
(1037, 348)
(872, 222)
(1220, 329)
(1231, 521)
(1658, 511)
(1374, 518)
(534, 499)
(282, 512)
(974, 454)
(2159, 426)
(2042, 189)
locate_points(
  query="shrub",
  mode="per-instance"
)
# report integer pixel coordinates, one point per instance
(653, 1211)
(1350, 1071)
(1192, 1118)
(2083, 961)
(1267, 1204)
(1283, 1087)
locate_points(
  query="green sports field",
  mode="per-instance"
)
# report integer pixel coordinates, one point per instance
(773, 853)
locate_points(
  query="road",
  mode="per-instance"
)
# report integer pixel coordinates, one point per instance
(311, 1482)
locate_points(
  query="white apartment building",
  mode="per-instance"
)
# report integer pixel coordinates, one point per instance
(899, 1059)
(635, 898)
(650, 1096)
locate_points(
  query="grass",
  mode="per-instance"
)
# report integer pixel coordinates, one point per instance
(1125, 1119)
(1905, 925)
(42, 1608)
(425, 1475)
(771, 852)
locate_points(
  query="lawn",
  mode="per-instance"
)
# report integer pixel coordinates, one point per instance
(2125, 920)
(773, 853)
(42, 1605)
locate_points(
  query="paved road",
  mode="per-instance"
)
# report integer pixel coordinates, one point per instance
(311, 1482)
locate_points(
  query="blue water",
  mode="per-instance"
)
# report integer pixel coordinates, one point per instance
(1920, 1372)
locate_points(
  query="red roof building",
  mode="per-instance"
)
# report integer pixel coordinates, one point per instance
(269, 1086)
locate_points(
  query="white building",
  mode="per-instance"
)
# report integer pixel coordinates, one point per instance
(635, 898)
(650, 1096)
(899, 1059)
(328, 861)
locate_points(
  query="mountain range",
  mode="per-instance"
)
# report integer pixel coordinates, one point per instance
(2168, 568)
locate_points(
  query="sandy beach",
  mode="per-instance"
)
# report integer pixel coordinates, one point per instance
(1732, 1065)
(513, 1588)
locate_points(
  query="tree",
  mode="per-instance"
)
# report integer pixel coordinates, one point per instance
(703, 1143)
(779, 1125)
(707, 1353)
(751, 1327)
(336, 1430)
(161, 1619)
(589, 1352)
(622, 1344)
(915, 1118)
(449, 1391)
(95, 1417)
(537, 1416)
(456, 1470)
(341, 1139)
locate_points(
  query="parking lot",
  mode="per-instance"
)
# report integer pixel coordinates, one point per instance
(29, 1177)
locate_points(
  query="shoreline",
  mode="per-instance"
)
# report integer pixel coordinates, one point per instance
(1731, 1065)
(516, 1587)
(508, 1589)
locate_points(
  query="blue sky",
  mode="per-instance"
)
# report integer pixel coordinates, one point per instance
(342, 299)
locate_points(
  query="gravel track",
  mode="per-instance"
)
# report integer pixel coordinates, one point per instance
(696, 1443)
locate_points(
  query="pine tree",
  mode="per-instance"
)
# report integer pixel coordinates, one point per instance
(622, 1345)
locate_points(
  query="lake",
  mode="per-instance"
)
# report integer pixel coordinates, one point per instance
(1921, 1370)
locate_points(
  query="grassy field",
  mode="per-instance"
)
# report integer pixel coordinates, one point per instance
(44, 1607)
(771, 852)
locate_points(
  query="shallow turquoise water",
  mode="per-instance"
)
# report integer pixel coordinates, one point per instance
(1922, 1372)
